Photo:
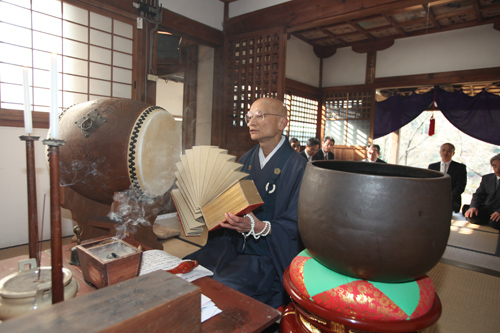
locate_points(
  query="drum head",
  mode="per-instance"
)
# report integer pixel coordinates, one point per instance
(155, 148)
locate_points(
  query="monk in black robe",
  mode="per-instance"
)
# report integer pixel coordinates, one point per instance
(251, 253)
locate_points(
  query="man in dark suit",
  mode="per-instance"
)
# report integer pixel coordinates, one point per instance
(372, 154)
(325, 153)
(457, 172)
(485, 203)
(312, 147)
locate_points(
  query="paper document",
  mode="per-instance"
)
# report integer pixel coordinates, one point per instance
(208, 308)
(155, 260)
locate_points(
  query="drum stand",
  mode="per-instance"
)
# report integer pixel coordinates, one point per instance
(55, 221)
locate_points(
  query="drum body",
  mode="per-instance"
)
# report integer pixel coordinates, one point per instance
(114, 144)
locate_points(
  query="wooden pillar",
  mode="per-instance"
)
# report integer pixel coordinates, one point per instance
(371, 61)
(394, 144)
(190, 93)
(321, 120)
(218, 128)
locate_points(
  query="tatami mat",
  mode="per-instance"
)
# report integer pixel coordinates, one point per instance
(473, 244)
(488, 261)
(180, 246)
(473, 239)
(471, 300)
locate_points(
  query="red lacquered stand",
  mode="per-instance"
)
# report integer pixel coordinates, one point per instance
(303, 315)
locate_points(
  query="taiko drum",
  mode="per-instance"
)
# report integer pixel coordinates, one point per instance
(114, 144)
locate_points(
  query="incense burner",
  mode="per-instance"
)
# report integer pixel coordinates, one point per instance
(30, 289)
(109, 261)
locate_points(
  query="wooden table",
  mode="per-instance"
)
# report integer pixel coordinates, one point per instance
(239, 312)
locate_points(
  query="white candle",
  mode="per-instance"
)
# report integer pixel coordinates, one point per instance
(28, 123)
(54, 114)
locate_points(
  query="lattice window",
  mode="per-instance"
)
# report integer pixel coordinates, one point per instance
(302, 115)
(253, 71)
(94, 53)
(348, 117)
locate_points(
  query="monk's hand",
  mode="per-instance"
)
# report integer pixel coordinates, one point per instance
(495, 216)
(237, 223)
(242, 224)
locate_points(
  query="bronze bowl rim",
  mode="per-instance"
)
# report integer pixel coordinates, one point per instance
(437, 175)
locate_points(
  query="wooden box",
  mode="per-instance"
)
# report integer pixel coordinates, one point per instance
(109, 261)
(155, 302)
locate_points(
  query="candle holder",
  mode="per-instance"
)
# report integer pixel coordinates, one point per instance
(32, 206)
(55, 220)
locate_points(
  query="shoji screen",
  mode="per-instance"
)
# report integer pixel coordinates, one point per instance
(94, 53)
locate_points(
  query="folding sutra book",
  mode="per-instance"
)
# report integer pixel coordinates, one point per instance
(210, 184)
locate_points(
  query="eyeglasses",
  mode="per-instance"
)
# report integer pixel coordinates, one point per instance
(258, 116)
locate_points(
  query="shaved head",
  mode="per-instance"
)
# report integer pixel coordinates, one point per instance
(273, 104)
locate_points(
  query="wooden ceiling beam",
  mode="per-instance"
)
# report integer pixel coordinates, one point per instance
(395, 25)
(300, 15)
(352, 34)
(334, 36)
(473, 75)
(477, 10)
(431, 16)
(463, 11)
(360, 30)
(422, 32)
(450, 28)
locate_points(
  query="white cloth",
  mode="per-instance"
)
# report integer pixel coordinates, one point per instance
(263, 160)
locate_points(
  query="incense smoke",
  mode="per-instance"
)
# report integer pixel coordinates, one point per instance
(131, 211)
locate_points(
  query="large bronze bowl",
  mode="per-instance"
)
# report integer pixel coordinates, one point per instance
(374, 221)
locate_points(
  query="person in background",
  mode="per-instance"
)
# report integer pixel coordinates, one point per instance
(372, 154)
(312, 147)
(250, 253)
(457, 172)
(325, 153)
(295, 143)
(485, 204)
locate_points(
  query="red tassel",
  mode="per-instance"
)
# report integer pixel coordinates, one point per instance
(432, 123)
(432, 126)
